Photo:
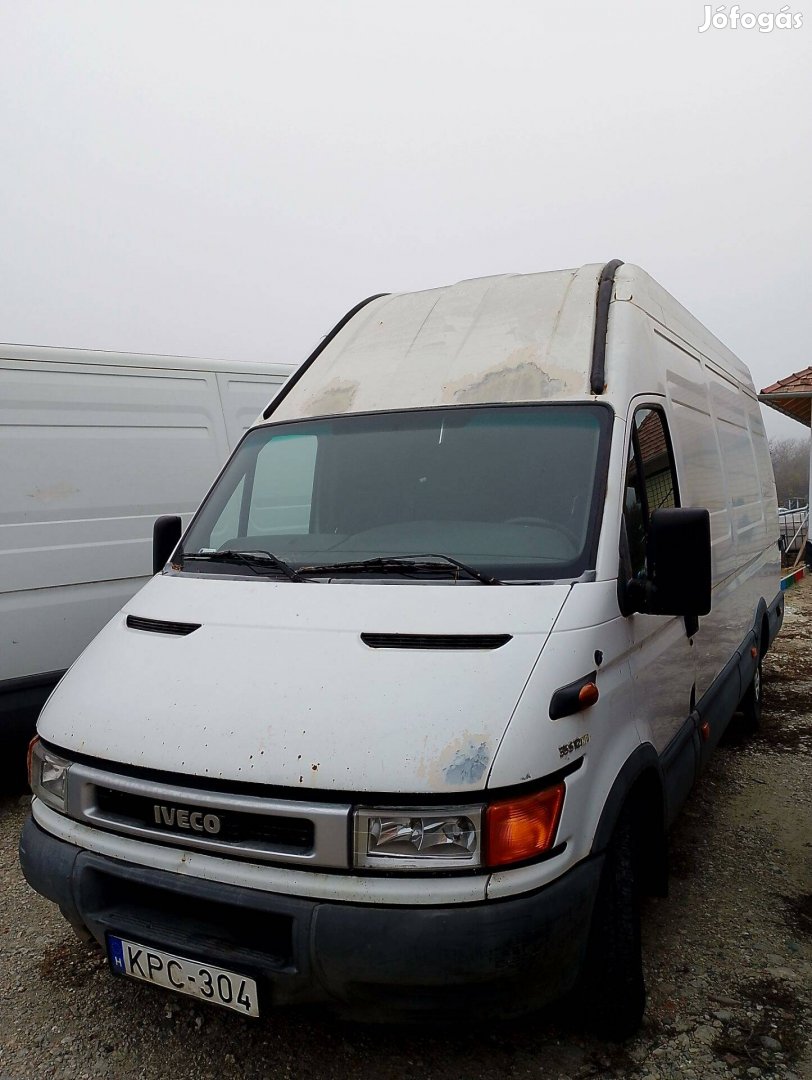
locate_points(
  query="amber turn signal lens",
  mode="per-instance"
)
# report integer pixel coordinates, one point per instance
(587, 695)
(29, 756)
(519, 829)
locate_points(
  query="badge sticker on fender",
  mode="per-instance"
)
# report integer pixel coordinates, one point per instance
(576, 744)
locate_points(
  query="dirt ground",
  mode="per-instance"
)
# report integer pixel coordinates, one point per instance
(728, 956)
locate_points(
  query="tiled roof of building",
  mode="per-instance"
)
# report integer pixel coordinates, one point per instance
(791, 396)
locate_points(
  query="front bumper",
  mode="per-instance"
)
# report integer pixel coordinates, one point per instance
(504, 957)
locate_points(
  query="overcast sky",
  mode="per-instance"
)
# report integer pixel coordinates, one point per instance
(228, 178)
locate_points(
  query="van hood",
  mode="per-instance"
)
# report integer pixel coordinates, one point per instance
(277, 687)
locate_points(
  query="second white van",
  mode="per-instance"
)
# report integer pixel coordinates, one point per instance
(93, 446)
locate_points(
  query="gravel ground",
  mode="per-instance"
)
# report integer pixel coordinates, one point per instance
(729, 956)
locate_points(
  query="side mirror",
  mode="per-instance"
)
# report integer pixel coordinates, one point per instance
(165, 535)
(679, 563)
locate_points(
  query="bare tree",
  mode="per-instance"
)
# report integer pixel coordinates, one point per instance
(791, 467)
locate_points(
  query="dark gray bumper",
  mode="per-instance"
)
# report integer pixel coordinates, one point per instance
(504, 957)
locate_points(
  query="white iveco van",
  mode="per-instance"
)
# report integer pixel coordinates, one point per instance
(405, 715)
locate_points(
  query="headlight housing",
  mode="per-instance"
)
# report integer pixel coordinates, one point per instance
(495, 835)
(440, 838)
(48, 776)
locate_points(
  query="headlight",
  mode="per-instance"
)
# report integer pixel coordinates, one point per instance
(402, 839)
(48, 776)
(496, 835)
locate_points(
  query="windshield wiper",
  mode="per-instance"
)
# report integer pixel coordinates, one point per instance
(251, 559)
(403, 564)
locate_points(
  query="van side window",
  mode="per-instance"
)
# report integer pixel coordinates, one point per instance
(651, 481)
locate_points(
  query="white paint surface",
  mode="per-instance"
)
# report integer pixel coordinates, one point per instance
(95, 446)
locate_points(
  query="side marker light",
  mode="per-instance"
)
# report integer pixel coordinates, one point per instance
(588, 695)
(574, 697)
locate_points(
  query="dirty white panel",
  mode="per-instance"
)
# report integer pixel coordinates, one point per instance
(277, 686)
(244, 397)
(94, 447)
(761, 449)
(515, 338)
(90, 459)
(712, 415)
(43, 630)
(636, 286)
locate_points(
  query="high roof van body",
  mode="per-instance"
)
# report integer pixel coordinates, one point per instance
(404, 717)
(94, 445)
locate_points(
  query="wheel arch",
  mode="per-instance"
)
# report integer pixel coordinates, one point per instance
(639, 784)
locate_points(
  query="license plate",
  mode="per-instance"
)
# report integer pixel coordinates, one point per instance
(185, 976)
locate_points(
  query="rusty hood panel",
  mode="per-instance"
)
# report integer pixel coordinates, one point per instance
(277, 687)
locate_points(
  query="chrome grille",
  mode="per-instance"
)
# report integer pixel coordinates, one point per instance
(247, 826)
(276, 833)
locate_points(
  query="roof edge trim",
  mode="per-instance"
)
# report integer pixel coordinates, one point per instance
(325, 341)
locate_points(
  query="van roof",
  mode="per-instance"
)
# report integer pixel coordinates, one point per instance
(94, 357)
(512, 338)
(508, 339)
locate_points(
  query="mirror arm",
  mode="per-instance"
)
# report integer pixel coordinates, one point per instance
(640, 594)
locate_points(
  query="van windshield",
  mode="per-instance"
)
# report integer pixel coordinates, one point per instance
(513, 492)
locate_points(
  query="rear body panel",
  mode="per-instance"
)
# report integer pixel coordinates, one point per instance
(94, 447)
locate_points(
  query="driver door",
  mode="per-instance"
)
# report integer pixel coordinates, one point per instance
(662, 658)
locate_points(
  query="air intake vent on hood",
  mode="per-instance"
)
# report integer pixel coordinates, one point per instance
(435, 641)
(159, 626)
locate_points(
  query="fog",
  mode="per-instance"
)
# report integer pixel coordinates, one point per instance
(228, 179)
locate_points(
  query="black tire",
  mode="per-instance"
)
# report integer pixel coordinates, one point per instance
(750, 705)
(613, 987)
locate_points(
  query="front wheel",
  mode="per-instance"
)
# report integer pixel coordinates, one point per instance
(613, 988)
(751, 704)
